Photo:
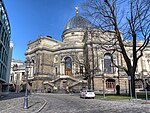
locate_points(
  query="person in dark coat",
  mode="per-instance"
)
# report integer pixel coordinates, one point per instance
(117, 90)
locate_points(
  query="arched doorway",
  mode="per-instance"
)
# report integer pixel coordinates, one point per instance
(68, 66)
(110, 84)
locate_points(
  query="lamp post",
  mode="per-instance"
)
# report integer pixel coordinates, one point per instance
(28, 63)
(103, 85)
(103, 77)
(129, 79)
(103, 82)
(81, 74)
(15, 69)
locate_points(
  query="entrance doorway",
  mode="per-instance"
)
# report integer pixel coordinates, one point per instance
(110, 84)
(68, 66)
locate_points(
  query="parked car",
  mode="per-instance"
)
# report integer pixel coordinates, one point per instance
(87, 94)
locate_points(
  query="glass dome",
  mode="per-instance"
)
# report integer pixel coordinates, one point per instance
(77, 22)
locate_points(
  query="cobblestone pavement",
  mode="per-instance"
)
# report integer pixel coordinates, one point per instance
(73, 104)
(65, 103)
(15, 104)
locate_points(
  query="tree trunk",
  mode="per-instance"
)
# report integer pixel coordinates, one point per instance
(132, 87)
(89, 81)
(92, 49)
(87, 65)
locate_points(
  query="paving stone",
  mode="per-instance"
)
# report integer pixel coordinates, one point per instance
(63, 103)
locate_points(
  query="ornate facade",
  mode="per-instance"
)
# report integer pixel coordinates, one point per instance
(60, 66)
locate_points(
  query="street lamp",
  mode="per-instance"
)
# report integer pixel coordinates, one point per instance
(130, 88)
(28, 63)
(15, 69)
(81, 74)
(103, 76)
(103, 80)
(103, 85)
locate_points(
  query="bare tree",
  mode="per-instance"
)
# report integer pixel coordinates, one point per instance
(129, 20)
(86, 62)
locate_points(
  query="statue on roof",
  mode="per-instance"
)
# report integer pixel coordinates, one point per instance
(77, 9)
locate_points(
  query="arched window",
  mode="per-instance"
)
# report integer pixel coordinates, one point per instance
(68, 66)
(139, 84)
(110, 84)
(108, 64)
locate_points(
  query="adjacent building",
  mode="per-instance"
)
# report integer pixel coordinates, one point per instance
(60, 65)
(5, 46)
(17, 75)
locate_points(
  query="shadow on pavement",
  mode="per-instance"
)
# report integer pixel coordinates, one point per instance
(12, 95)
(33, 104)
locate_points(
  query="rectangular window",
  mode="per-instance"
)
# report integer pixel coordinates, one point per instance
(2, 36)
(0, 25)
(0, 70)
(0, 49)
(3, 55)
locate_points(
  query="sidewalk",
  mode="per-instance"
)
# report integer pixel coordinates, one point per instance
(15, 105)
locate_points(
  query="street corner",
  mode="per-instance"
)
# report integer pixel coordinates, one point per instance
(36, 104)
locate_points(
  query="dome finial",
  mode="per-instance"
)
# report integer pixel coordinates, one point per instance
(77, 10)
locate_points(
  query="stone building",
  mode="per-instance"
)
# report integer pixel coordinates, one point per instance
(17, 75)
(98, 46)
(60, 65)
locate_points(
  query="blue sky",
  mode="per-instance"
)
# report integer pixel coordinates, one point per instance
(32, 18)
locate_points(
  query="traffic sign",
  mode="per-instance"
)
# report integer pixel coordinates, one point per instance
(129, 77)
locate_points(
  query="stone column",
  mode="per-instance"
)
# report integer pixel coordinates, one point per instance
(73, 68)
(62, 68)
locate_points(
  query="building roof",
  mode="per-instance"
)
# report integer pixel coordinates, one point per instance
(77, 22)
(15, 60)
